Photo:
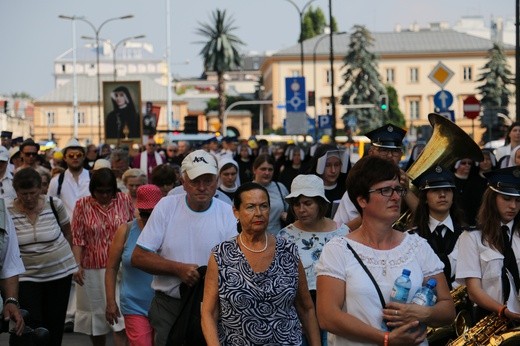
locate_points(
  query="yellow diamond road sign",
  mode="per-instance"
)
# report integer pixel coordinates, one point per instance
(441, 74)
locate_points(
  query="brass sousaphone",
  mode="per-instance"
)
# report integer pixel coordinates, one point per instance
(448, 144)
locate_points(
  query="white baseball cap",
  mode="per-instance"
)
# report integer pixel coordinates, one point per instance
(308, 185)
(199, 162)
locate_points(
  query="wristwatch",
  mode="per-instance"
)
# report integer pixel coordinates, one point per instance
(12, 300)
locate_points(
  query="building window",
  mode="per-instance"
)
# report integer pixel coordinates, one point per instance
(81, 118)
(63, 69)
(390, 75)
(414, 109)
(50, 118)
(328, 108)
(414, 75)
(467, 73)
(328, 77)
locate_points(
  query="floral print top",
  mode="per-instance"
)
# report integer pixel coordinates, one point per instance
(310, 245)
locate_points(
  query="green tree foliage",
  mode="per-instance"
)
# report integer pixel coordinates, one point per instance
(496, 77)
(362, 82)
(22, 95)
(220, 50)
(314, 24)
(394, 114)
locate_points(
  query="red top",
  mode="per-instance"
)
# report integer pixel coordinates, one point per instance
(93, 227)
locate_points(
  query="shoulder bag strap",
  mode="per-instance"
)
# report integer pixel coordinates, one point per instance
(54, 211)
(383, 303)
(61, 177)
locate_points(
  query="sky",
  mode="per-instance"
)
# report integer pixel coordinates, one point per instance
(32, 35)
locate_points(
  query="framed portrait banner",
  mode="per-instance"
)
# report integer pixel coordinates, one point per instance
(122, 105)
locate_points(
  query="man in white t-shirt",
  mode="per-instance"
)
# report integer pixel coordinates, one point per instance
(179, 236)
(70, 186)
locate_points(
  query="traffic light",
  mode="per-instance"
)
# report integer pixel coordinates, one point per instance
(383, 103)
(312, 98)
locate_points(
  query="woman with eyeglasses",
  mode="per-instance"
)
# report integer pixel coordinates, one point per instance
(94, 223)
(135, 292)
(43, 231)
(355, 273)
(486, 255)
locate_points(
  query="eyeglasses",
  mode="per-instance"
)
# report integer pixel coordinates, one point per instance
(31, 154)
(388, 191)
(75, 155)
(151, 145)
(390, 152)
(466, 163)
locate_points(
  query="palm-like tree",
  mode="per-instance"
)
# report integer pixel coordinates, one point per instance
(220, 51)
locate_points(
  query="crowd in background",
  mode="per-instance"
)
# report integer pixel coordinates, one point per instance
(112, 236)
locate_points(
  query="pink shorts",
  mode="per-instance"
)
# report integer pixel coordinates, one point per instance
(138, 330)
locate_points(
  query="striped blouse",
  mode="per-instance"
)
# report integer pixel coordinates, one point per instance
(94, 226)
(45, 252)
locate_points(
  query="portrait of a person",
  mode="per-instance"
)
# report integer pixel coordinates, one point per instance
(123, 120)
(149, 120)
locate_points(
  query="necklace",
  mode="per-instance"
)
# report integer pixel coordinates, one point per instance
(255, 251)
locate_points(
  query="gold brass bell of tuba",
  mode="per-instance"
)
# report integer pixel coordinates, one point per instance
(448, 144)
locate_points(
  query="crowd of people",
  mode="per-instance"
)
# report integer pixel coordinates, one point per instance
(253, 244)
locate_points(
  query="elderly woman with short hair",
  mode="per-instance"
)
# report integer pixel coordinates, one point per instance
(43, 232)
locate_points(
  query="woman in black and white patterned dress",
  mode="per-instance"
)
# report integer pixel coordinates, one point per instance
(255, 291)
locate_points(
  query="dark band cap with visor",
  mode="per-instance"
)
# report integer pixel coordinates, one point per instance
(435, 178)
(387, 136)
(505, 181)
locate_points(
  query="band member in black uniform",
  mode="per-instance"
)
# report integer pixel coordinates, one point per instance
(437, 218)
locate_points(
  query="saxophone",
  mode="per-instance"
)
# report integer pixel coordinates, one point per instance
(462, 322)
(487, 331)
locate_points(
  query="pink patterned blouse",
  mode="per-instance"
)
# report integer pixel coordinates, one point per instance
(93, 227)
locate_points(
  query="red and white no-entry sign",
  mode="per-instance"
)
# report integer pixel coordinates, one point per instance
(471, 107)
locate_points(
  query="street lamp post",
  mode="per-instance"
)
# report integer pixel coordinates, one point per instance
(301, 13)
(98, 76)
(114, 48)
(316, 45)
(74, 75)
(331, 60)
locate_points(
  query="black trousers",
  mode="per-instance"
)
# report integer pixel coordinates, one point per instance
(47, 305)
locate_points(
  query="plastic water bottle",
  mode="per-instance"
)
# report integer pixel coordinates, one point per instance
(401, 288)
(426, 294)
